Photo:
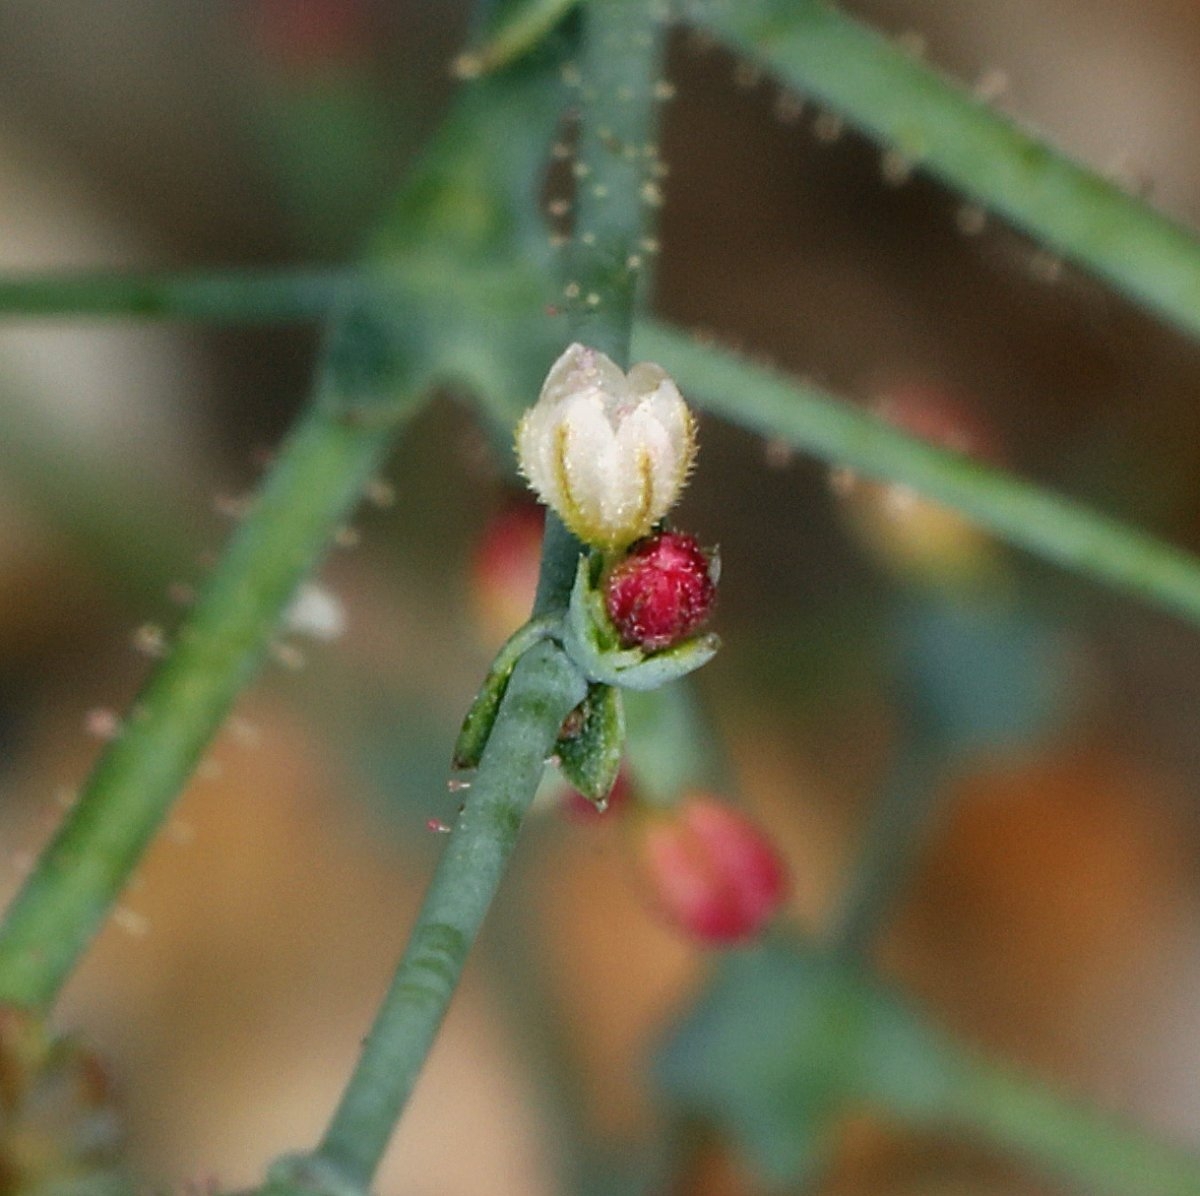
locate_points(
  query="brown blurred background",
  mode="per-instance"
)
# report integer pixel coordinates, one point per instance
(1054, 919)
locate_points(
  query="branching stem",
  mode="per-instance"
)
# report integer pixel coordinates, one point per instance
(621, 60)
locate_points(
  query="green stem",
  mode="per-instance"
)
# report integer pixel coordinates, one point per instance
(319, 474)
(235, 296)
(544, 689)
(810, 420)
(560, 561)
(1093, 1152)
(616, 172)
(934, 124)
(622, 54)
(507, 31)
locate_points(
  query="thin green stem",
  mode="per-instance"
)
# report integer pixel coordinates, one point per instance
(318, 476)
(544, 689)
(616, 171)
(282, 296)
(1093, 1152)
(506, 31)
(939, 127)
(808, 419)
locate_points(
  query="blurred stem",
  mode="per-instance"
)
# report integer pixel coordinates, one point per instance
(545, 687)
(317, 477)
(894, 835)
(885, 92)
(234, 296)
(507, 29)
(1025, 514)
(1095, 1152)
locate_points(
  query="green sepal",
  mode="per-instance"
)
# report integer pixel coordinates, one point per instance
(591, 641)
(590, 746)
(477, 726)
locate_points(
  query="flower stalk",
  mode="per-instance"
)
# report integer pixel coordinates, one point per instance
(622, 57)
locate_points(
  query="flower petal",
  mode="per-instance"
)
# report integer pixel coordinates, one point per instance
(590, 468)
(578, 369)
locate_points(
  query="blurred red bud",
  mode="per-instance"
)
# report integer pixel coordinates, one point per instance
(914, 537)
(302, 34)
(504, 571)
(710, 871)
(661, 591)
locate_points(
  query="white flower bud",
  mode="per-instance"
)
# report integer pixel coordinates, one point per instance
(609, 451)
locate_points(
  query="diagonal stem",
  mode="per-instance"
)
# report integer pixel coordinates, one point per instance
(1050, 525)
(283, 296)
(544, 689)
(1090, 1150)
(939, 127)
(318, 476)
(896, 831)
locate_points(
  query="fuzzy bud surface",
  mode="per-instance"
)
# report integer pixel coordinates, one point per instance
(661, 592)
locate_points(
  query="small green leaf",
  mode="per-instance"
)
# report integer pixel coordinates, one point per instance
(477, 726)
(785, 1040)
(589, 749)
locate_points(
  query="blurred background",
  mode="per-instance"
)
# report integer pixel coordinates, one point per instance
(1052, 918)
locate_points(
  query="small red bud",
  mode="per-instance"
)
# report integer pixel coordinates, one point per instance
(711, 871)
(504, 571)
(661, 591)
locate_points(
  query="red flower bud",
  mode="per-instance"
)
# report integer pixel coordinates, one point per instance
(504, 571)
(711, 872)
(661, 591)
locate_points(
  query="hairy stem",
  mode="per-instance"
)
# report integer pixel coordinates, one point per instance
(317, 477)
(939, 127)
(621, 59)
(616, 172)
(230, 296)
(1053, 527)
(545, 687)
